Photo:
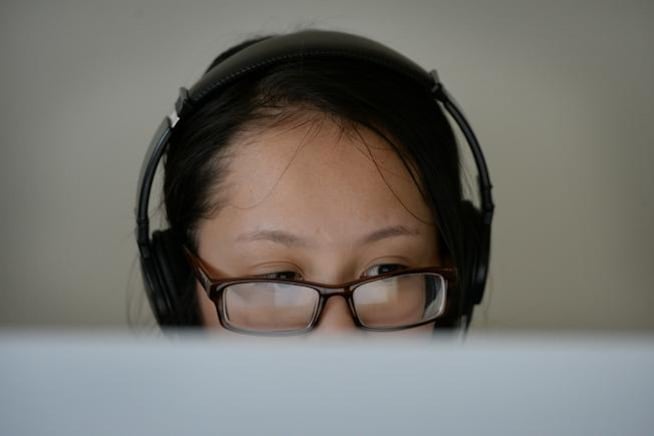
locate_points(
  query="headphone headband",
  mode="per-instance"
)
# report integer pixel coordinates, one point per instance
(298, 46)
(308, 44)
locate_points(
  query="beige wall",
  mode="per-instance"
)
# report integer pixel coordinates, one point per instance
(560, 94)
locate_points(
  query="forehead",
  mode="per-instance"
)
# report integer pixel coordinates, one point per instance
(316, 179)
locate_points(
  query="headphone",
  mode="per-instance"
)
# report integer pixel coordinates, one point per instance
(161, 254)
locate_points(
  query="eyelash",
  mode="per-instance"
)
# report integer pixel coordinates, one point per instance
(276, 275)
(394, 267)
(279, 275)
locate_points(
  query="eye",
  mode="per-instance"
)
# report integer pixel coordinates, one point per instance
(282, 275)
(382, 268)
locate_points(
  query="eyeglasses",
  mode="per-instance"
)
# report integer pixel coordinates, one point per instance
(387, 302)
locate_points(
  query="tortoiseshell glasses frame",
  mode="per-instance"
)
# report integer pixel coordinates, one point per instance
(445, 278)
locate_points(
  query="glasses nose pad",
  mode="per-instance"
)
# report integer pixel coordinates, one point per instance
(336, 316)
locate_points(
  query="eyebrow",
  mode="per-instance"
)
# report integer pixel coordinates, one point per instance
(388, 232)
(277, 236)
(291, 240)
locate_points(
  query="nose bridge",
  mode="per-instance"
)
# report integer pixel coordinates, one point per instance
(329, 292)
(336, 315)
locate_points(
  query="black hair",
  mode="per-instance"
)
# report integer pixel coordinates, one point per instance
(350, 92)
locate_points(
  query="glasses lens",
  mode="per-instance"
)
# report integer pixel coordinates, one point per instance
(269, 307)
(401, 300)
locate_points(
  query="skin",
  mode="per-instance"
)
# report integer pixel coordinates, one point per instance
(322, 205)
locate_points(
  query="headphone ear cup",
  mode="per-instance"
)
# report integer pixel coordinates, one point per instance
(176, 292)
(154, 285)
(475, 274)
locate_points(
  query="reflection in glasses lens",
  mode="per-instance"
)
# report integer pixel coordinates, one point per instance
(400, 301)
(388, 303)
(269, 307)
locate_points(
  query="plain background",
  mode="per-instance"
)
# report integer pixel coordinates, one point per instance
(560, 94)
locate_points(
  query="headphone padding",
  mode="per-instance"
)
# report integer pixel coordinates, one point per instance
(473, 249)
(169, 265)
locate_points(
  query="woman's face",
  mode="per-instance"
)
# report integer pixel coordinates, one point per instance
(310, 202)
